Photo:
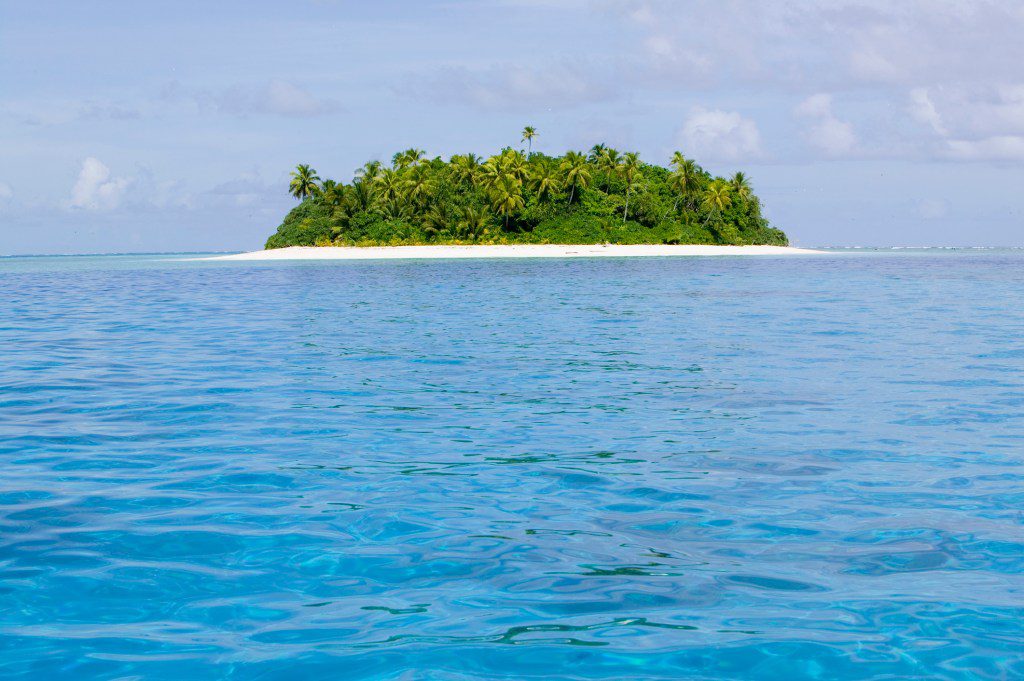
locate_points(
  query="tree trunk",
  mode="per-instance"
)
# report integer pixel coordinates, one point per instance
(625, 214)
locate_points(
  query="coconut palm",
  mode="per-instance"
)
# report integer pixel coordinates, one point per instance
(390, 186)
(631, 167)
(304, 182)
(716, 198)
(369, 172)
(609, 162)
(741, 185)
(596, 151)
(507, 197)
(409, 157)
(490, 172)
(683, 179)
(472, 223)
(544, 180)
(576, 171)
(465, 167)
(331, 193)
(513, 163)
(396, 210)
(360, 197)
(418, 186)
(435, 221)
(529, 132)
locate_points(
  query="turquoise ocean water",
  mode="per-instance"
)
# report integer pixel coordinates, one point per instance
(735, 468)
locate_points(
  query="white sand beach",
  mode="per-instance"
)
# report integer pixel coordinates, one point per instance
(510, 251)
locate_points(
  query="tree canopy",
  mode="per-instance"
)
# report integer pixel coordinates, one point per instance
(524, 197)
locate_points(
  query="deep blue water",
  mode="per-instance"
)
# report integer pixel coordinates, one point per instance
(741, 468)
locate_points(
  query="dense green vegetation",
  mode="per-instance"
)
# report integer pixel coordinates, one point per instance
(516, 197)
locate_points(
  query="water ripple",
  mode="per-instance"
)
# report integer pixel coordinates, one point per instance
(675, 468)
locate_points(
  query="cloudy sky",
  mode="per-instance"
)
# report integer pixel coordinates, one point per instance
(171, 126)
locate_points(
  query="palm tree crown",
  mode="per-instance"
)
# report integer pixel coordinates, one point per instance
(741, 185)
(717, 197)
(409, 157)
(529, 132)
(576, 170)
(544, 181)
(304, 182)
(631, 166)
(369, 172)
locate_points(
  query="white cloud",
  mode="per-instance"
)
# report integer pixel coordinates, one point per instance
(275, 97)
(852, 43)
(95, 189)
(816, 106)
(974, 122)
(513, 86)
(826, 133)
(997, 148)
(923, 109)
(976, 110)
(287, 99)
(720, 135)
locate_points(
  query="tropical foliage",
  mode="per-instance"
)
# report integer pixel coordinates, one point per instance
(516, 197)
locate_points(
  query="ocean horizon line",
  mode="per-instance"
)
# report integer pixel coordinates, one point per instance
(237, 251)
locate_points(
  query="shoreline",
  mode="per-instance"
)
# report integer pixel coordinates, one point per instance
(507, 251)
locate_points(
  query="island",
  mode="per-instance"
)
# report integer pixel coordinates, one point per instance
(525, 197)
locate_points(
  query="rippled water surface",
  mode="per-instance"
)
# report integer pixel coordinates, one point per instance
(769, 468)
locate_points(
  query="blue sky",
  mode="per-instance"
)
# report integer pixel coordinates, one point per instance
(129, 126)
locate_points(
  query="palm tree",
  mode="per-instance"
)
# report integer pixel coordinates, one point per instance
(418, 186)
(390, 185)
(576, 170)
(741, 185)
(396, 210)
(331, 193)
(435, 221)
(631, 166)
(716, 198)
(465, 168)
(304, 182)
(490, 172)
(507, 197)
(513, 164)
(684, 179)
(529, 132)
(409, 157)
(544, 181)
(361, 197)
(471, 224)
(609, 162)
(677, 160)
(596, 152)
(369, 172)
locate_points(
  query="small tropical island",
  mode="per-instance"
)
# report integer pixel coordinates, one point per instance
(522, 196)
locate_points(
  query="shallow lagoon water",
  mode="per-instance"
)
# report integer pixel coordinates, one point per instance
(803, 467)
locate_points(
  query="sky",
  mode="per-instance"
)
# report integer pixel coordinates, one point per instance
(172, 126)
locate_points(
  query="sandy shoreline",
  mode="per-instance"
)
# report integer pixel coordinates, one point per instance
(513, 251)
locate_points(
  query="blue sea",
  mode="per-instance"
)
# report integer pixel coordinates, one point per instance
(661, 468)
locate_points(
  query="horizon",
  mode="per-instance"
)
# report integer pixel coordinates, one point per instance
(881, 132)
